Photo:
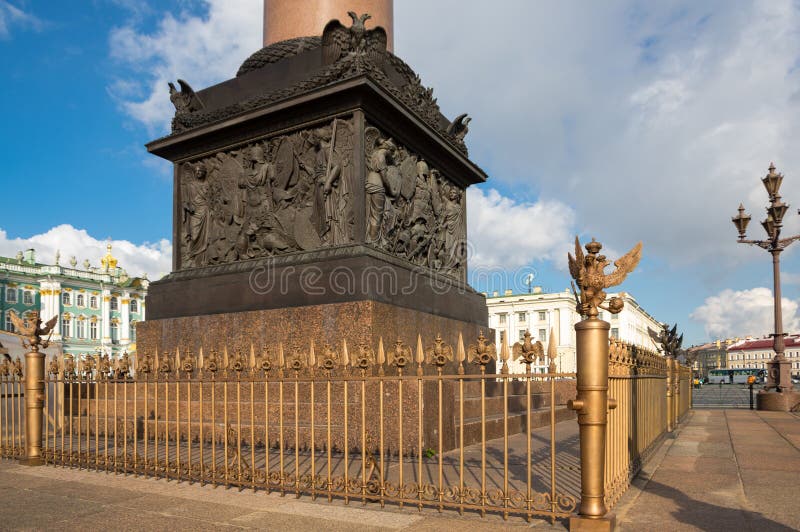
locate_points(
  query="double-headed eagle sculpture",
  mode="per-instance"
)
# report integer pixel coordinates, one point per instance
(31, 329)
(587, 270)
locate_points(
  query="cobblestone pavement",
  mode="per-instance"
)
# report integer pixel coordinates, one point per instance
(722, 396)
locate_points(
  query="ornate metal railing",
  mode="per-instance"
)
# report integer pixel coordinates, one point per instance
(12, 409)
(651, 392)
(421, 427)
(433, 427)
(684, 390)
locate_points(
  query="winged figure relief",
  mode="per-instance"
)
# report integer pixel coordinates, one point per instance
(588, 273)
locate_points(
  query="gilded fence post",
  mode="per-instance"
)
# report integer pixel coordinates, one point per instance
(670, 394)
(591, 405)
(31, 328)
(592, 402)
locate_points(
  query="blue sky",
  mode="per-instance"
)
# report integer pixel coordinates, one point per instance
(625, 121)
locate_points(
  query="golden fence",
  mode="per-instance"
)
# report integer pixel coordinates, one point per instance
(684, 390)
(425, 427)
(651, 392)
(12, 409)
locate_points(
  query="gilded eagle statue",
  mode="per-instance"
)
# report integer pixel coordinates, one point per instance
(527, 351)
(32, 330)
(587, 271)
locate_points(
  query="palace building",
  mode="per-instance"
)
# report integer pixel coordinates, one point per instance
(539, 313)
(97, 307)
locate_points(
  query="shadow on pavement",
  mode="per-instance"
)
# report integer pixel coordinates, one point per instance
(689, 509)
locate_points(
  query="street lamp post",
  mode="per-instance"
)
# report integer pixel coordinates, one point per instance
(778, 390)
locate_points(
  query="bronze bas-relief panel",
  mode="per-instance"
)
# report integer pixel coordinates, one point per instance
(412, 210)
(268, 197)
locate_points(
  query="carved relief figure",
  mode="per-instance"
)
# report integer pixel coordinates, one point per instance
(412, 210)
(196, 212)
(379, 182)
(269, 197)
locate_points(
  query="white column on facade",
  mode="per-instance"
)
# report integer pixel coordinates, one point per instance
(51, 305)
(124, 333)
(105, 307)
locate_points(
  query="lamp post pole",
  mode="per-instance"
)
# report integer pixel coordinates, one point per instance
(779, 374)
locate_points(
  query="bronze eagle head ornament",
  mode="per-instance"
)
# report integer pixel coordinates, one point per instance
(588, 272)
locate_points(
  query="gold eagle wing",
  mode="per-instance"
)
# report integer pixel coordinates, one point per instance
(576, 263)
(625, 264)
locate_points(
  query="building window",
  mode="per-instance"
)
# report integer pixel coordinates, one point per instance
(600, 315)
(93, 330)
(80, 329)
(114, 332)
(133, 331)
(542, 315)
(614, 317)
(502, 319)
(543, 335)
(80, 300)
(522, 316)
(522, 335)
(11, 295)
(66, 299)
(134, 305)
(93, 302)
(114, 304)
(27, 297)
(66, 327)
(9, 323)
(615, 333)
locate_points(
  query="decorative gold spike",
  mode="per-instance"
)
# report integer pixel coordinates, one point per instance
(200, 360)
(552, 352)
(252, 361)
(312, 356)
(504, 354)
(461, 353)
(381, 358)
(345, 354)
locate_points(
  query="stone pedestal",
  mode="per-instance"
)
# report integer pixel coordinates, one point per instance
(320, 194)
(787, 401)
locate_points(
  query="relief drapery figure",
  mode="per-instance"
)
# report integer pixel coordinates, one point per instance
(269, 197)
(412, 210)
(379, 182)
(196, 212)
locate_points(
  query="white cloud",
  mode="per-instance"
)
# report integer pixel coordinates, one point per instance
(733, 313)
(653, 120)
(652, 124)
(509, 234)
(14, 16)
(154, 259)
(202, 50)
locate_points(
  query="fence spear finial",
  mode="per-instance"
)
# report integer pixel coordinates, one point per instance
(461, 353)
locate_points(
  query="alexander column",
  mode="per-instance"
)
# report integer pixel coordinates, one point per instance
(287, 19)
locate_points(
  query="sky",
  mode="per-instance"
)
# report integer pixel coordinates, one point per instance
(623, 120)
